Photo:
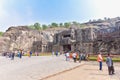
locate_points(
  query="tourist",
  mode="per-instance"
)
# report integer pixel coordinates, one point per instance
(100, 59)
(67, 54)
(84, 56)
(56, 53)
(87, 57)
(9, 55)
(36, 53)
(12, 55)
(71, 55)
(74, 55)
(4, 54)
(109, 63)
(30, 53)
(20, 55)
(80, 57)
(53, 53)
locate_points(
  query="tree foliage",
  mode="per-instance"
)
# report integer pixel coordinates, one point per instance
(67, 24)
(61, 25)
(54, 25)
(44, 26)
(31, 26)
(1, 33)
(37, 25)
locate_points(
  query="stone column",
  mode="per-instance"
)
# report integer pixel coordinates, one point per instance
(72, 47)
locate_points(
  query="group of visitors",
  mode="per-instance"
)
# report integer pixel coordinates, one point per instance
(9, 55)
(57, 53)
(76, 56)
(18, 54)
(82, 56)
(109, 63)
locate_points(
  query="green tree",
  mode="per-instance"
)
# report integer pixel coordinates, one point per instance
(44, 26)
(1, 33)
(54, 25)
(61, 25)
(37, 26)
(31, 26)
(67, 24)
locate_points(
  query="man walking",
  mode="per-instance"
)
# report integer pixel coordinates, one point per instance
(12, 55)
(74, 55)
(67, 54)
(109, 63)
(100, 59)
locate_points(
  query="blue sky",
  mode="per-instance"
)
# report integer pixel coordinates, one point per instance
(26, 12)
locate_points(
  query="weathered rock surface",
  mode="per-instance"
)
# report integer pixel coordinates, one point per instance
(95, 35)
(24, 38)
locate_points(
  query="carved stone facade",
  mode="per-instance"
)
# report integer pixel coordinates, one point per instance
(75, 39)
(108, 39)
(88, 40)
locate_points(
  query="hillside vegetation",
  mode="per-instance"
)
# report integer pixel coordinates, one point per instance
(1, 33)
(38, 26)
(101, 23)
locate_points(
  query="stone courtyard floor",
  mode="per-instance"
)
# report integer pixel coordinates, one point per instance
(53, 68)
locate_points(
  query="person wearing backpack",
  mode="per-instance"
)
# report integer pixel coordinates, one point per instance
(109, 63)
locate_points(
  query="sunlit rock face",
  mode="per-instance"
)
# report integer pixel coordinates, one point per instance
(24, 38)
(4, 44)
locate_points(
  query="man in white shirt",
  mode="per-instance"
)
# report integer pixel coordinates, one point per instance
(74, 55)
(67, 56)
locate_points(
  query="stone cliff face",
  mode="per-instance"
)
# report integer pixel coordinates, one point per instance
(104, 24)
(4, 44)
(24, 38)
(99, 34)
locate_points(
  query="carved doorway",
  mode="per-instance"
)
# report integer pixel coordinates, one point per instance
(66, 47)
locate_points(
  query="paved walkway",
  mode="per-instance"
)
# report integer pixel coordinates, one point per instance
(34, 68)
(88, 71)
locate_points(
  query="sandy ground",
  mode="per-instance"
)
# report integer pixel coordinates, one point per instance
(88, 71)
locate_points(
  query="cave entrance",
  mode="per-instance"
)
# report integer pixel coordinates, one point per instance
(66, 47)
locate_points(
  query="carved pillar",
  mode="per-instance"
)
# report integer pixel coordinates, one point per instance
(72, 47)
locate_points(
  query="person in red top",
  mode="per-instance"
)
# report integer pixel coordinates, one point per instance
(100, 60)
